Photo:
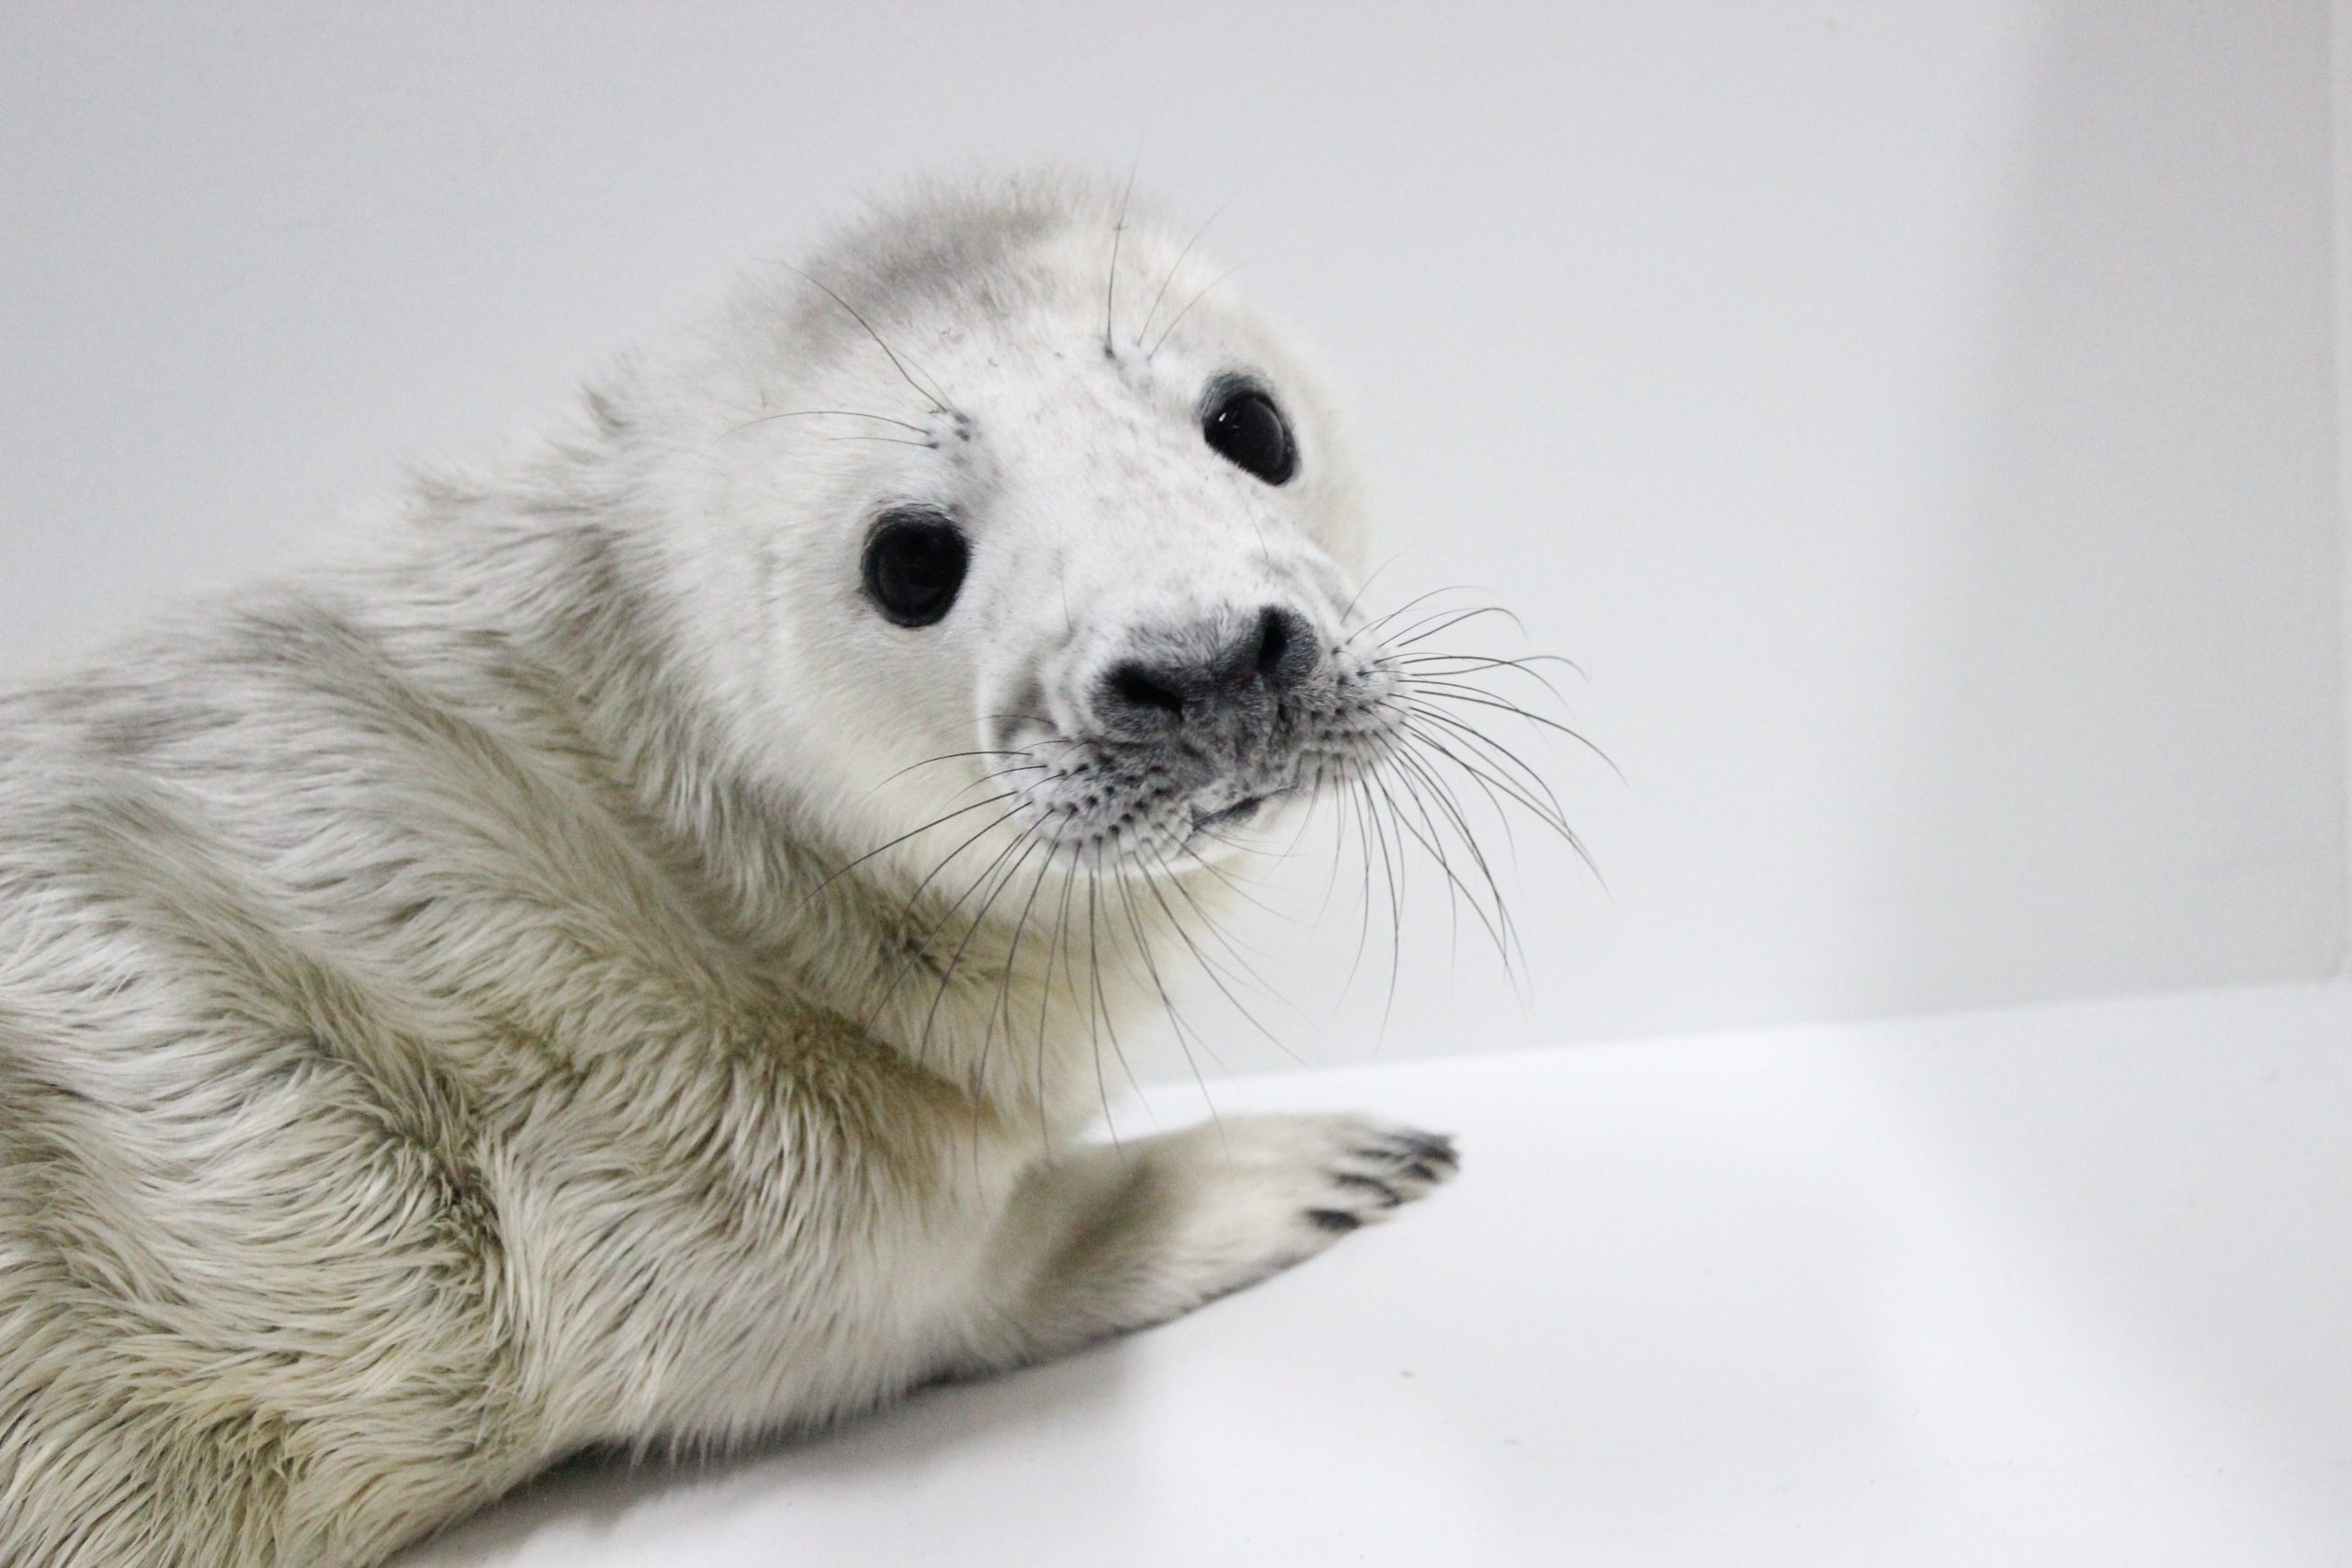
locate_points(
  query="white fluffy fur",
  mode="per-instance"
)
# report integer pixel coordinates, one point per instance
(433, 1035)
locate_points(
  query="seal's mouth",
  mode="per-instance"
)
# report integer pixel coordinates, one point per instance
(1165, 801)
(1241, 811)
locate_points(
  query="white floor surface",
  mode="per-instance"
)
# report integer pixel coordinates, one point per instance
(2070, 1285)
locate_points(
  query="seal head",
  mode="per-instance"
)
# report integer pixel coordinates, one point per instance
(1018, 511)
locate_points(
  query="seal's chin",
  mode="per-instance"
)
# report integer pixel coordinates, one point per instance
(1237, 826)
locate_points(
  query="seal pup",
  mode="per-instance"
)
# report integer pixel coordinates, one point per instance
(626, 957)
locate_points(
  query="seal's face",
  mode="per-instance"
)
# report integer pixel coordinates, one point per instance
(1165, 662)
(1084, 544)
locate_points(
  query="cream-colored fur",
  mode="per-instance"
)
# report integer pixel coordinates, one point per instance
(472, 1000)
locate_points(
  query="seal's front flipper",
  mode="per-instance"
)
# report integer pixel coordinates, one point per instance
(1113, 1239)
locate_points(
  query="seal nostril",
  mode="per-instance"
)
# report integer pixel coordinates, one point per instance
(1136, 686)
(1286, 647)
(1273, 641)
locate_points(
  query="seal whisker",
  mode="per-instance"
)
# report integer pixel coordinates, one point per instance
(989, 884)
(1389, 864)
(1449, 803)
(1500, 928)
(1351, 793)
(1434, 842)
(1118, 232)
(1376, 622)
(1409, 758)
(1453, 897)
(841, 870)
(1094, 973)
(1337, 814)
(1365, 587)
(917, 946)
(1060, 947)
(1450, 690)
(1427, 623)
(1500, 756)
(825, 413)
(954, 757)
(1183, 1032)
(1239, 891)
(939, 404)
(1492, 776)
(1459, 617)
(1168, 330)
(1216, 977)
(1002, 1005)
(1476, 663)
(1425, 712)
(1178, 265)
(1423, 740)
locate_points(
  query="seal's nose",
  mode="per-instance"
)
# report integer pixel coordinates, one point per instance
(1202, 680)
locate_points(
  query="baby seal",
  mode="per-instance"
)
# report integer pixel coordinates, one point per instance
(625, 958)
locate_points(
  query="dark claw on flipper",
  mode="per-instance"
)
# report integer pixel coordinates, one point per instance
(1433, 1145)
(1389, 1197)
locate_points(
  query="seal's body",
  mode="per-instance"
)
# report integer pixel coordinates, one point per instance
(627, 960)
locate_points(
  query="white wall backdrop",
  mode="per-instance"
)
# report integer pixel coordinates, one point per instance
(2340, 47)
(1916, 418)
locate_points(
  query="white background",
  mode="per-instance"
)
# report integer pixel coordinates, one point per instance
(1916, 417)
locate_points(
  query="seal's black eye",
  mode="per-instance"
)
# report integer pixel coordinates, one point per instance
(1245, 428)
(914, 563)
